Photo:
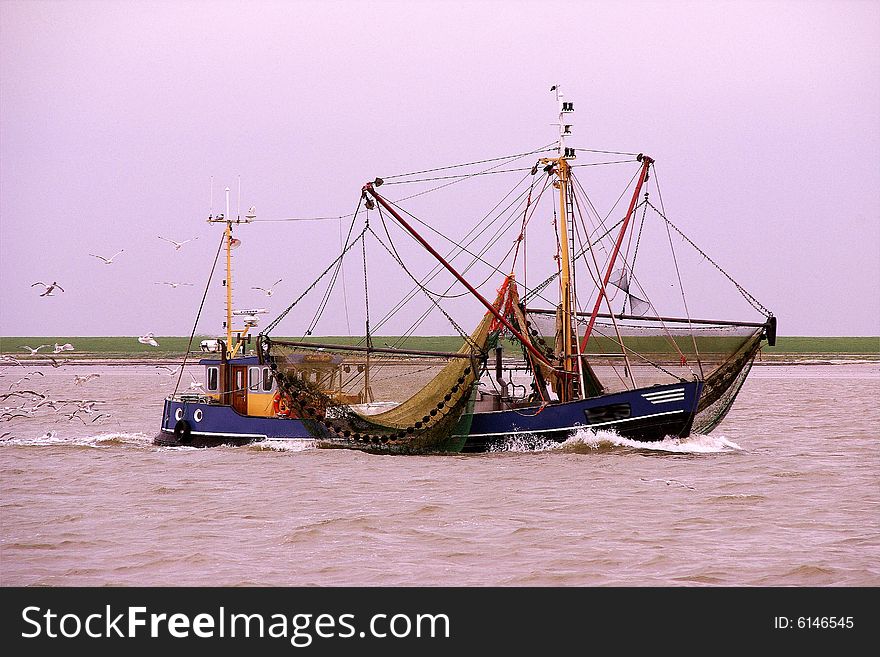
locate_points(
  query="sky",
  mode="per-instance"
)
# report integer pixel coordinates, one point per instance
(118, 119)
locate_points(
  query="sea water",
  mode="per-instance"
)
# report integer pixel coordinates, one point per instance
(785, 492)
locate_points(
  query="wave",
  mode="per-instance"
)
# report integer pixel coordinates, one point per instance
(58, 439)
(282, 445)
(585, 441)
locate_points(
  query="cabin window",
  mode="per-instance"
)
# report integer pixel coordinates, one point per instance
(268, 380)
(608, 413)
(213, 376)
(239, 380)
(254, 379)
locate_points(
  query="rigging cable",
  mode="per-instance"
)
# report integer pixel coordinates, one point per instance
(199, 313)
(757, 305)
(476, 231)
(542, 149)
(680, 284)
(344, 293)
(326, 298)
(284, 313)
(633, 279)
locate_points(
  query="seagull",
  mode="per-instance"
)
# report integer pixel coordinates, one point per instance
(49, 288)
(268, 291)
(72, 415)
(77, 380)
(7, 416)
(171, 283)
(58, 363)
(107, 261)
(177, 245)
(171, 372)
(34, 351)
(10, 359)
(21, 393)
(62, 347)
(196, 385)
(669, 482)
(148, 339)
(88, 407)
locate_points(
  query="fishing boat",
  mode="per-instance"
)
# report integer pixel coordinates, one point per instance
(598, 355)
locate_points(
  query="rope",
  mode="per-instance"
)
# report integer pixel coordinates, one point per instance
(284, 313)
(590, 150)
(393, 253)
(199, 313)
(477, 231)
(757, 305)
(489, 173)
(326, 298)
(468, 164)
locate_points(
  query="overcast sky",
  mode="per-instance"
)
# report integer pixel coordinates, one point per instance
(764, 119)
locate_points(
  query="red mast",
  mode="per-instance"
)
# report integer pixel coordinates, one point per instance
(646, 162)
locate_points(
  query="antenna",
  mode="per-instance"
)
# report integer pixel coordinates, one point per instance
(564, 128)
(212, 198)
(239, 198)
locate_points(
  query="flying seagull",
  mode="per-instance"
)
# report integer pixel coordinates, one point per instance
(34, 351)
(148, 339)
(77, 380)
(62, 347)
(49, 288)
(107, 261)
(176, 245)
(269, 290)
(171, 372)
(10, 359)
(669, 482)
(171, 283)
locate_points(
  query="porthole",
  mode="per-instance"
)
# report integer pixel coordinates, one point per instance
(197, 416)
(178, 414)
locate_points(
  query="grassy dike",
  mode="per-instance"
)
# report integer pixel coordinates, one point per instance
(174, 346)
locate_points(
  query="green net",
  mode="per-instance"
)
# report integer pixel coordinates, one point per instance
(641, 352)
(381, 400)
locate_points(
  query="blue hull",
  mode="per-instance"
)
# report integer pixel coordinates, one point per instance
(645, 414)
(198, 424)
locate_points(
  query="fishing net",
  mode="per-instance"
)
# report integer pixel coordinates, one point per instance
(380, 400)
(662, 352)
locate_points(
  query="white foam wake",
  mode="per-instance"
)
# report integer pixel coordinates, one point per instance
(693, 444)
(586, 440)
(283, 445)
(59, 439)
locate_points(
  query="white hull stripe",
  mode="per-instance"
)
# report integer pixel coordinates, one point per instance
(228, 434)
(663, 393)
(667, 400)
(572, 428)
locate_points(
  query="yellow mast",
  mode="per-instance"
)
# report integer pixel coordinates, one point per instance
(562, 170)
(228, 283)
(564, 276)
(230, 242)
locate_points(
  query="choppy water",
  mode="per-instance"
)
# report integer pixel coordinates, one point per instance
(786, 492)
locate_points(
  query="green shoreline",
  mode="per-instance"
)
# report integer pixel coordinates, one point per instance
(794, 347)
